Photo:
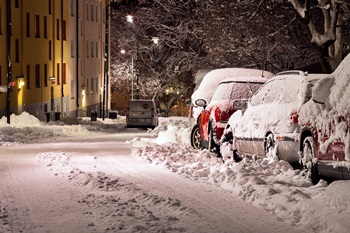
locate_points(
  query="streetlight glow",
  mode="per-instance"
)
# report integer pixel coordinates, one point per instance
(130, 18)
(155, 40)
(122, 51)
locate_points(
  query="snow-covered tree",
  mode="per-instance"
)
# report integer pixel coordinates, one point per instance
(329, 37)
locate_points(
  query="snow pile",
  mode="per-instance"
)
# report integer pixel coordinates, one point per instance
(27, 128)
(274, 186)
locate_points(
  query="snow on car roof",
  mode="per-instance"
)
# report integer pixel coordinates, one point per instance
(214, 77)
(251, 79)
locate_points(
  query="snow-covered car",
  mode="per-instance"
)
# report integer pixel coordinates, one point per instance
(268, 124)
(207, 81)
(325, 132)
(215, 115)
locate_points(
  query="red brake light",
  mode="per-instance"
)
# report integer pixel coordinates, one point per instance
(224, 116)
(294, 117)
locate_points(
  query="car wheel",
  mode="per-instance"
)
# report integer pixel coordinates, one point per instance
(270, 147)
(307, 161)
(195, 138)
(212, 146)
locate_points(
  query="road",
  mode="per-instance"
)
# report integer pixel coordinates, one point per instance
(95, 184)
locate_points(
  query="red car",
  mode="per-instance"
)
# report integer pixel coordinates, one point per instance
(325, 132)
(215, 115)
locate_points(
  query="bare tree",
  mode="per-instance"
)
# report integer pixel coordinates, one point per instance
(329, 37)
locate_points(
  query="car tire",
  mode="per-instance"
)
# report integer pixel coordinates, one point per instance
(307, 160)
(212, 146)
(270, 147)
(196, 138)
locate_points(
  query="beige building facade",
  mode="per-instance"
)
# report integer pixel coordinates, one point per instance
(55, 64)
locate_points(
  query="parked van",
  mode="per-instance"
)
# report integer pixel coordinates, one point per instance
(141, 114)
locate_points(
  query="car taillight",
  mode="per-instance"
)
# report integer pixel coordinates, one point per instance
(224, 116)
(294, 117)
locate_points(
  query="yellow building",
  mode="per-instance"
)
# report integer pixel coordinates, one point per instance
(56, 57)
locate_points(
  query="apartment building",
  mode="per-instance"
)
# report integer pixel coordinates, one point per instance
(52, 59)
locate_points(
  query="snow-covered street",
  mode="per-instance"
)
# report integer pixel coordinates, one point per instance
(100, 187)
(92, 178)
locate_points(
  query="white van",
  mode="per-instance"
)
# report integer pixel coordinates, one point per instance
(141, 114)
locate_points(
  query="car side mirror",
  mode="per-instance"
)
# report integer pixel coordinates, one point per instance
(240, 104)
(322, 89)
(201, 103)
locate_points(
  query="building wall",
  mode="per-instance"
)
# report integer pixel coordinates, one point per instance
(58, 52)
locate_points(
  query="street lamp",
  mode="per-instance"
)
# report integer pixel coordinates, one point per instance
(106, 57)
(130, 19)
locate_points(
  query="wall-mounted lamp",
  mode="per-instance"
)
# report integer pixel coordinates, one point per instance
(52, 79)
(20, 80)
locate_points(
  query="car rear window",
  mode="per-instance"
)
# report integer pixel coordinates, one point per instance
(235, 90)
(288, 90)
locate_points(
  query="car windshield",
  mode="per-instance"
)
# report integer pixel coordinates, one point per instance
(235, 90)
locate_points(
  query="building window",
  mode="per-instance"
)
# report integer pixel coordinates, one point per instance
(92, 12)
(64, 77)
(96, 13)
(50, 50)
(64, 34)
(37, 75)
(28, 25)
(45, 75)
(72, 48)
(72, 2)
(58, 74)
(17, 4)
(28, 76)
(92, 49)
(0, 76)
(50, 7)
(81, 27)
(87, 11)
(58, 28)
(92, 85)
(45, 27)
(37, 26)
(87, 48)
(17, 50)
(97, 52)
(0, 21)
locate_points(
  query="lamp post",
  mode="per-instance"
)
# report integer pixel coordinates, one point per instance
(130, 19)
(106, 60)
(9, 66)
(155, 40)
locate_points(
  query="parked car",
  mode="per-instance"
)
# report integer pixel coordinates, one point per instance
(215, 115)
(207, 81)
(268, 125)
(325, 131)
(141, 114)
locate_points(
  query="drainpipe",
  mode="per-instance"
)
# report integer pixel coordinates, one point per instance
(62, 60)
(77, 59)
(9, 67)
